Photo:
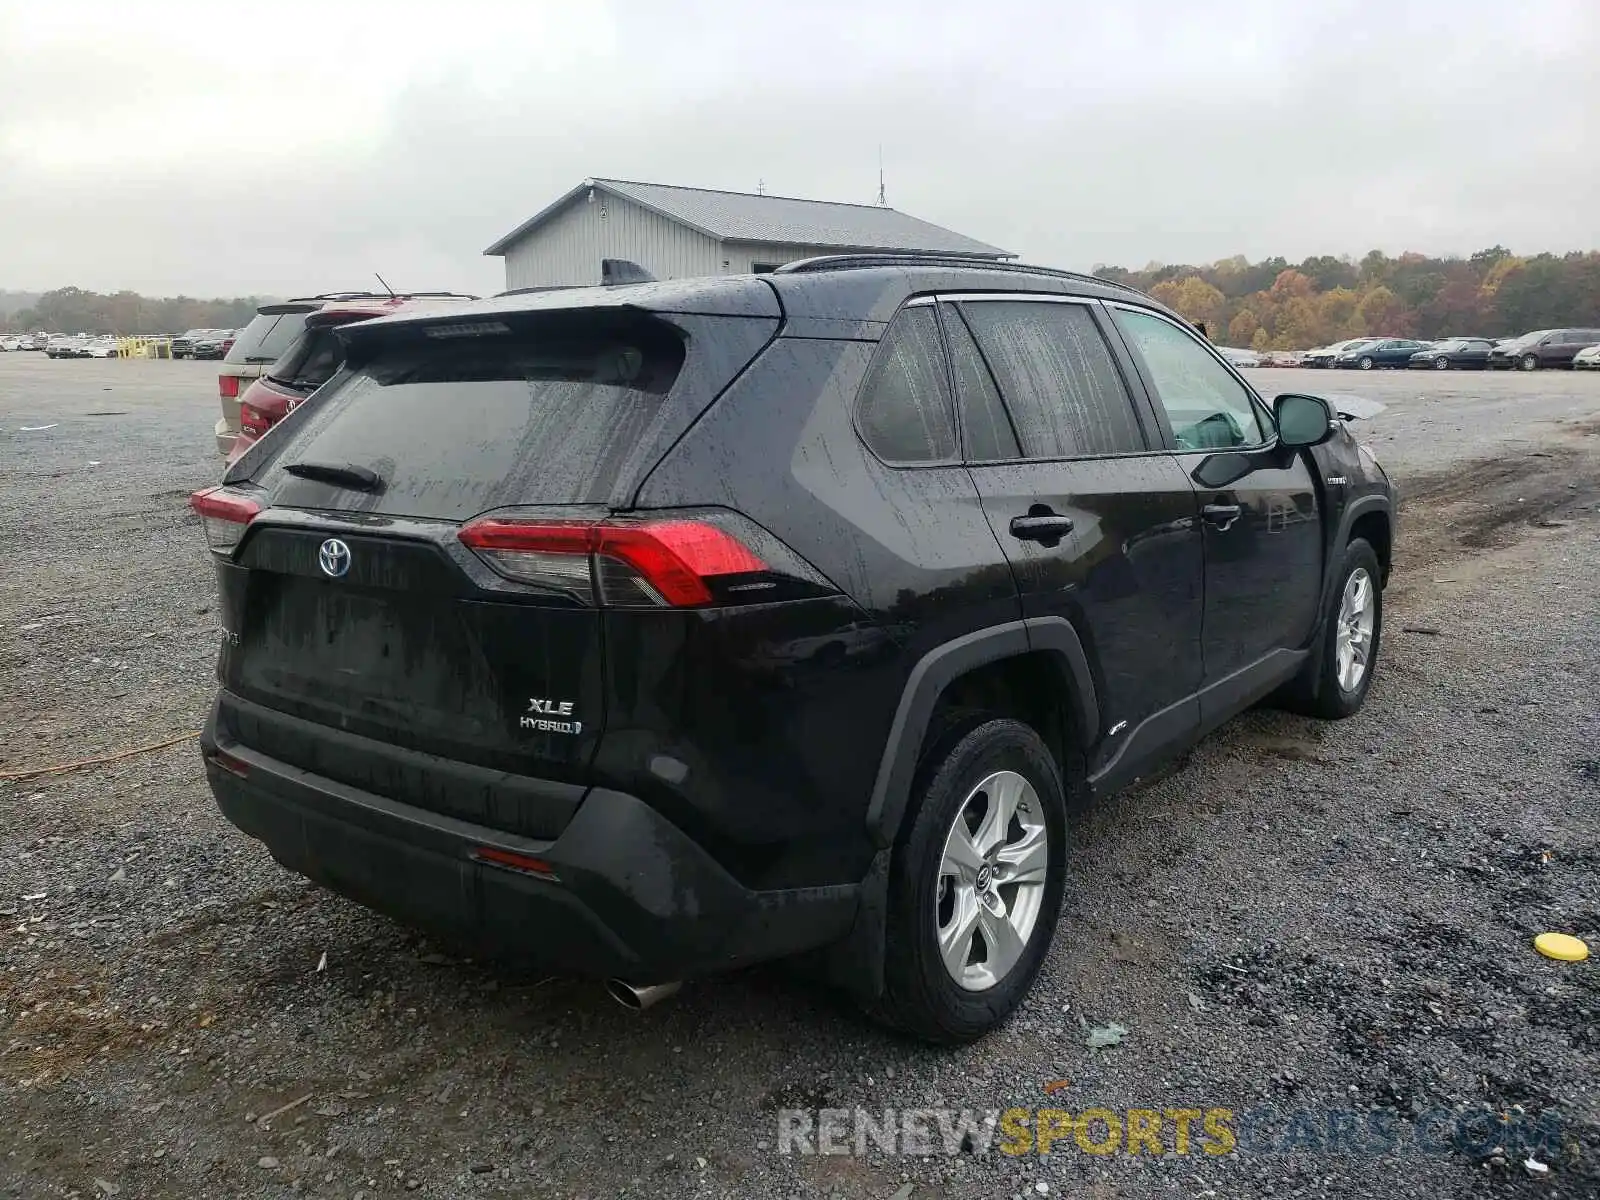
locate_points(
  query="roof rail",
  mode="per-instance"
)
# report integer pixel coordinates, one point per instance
(380, 296)
(543, 287)
(856, 262)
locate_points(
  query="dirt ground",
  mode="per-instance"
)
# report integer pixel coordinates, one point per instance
(1324, 929)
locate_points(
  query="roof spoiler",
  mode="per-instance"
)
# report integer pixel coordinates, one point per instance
(615, 271)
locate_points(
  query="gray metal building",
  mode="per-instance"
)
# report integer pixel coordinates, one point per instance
(674, 232)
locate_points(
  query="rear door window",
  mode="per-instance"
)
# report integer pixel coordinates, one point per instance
(456, 426)
(904, 412)
(266, 337)
(985, 427)
(1057, 376)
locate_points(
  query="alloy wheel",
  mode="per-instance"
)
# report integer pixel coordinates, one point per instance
(1441, 364)
(1357, 618)
(991, 880)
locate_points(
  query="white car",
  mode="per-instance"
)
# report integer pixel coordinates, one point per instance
(100, 347)
(1587, 359)
(1240, 358)
(10, 343)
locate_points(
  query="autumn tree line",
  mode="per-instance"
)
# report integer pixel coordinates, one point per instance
(72, 310)
(1276, 305)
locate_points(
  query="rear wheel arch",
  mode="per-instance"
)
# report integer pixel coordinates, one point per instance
(1034, 671)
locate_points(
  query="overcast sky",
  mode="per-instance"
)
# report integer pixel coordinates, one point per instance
(279, 146)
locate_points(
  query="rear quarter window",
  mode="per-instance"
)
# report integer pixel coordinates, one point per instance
(457, 426)
(905, 412)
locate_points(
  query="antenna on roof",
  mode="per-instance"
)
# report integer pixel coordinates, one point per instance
(386, 287)
(761, 187)
(882, 203)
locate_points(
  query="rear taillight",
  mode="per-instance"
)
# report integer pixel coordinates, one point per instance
(228, 387)
(225, 516)
(253, 421)
(686, 560)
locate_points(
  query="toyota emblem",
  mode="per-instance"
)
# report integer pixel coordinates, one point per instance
(334, 557)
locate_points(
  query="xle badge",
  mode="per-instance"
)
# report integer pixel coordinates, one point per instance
(549, 716)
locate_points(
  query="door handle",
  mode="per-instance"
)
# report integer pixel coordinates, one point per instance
(1041, 525)
(1222, 515)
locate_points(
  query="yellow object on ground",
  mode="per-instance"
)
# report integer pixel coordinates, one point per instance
(1562, 946)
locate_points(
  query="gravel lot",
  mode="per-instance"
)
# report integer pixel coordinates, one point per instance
(1302, 918)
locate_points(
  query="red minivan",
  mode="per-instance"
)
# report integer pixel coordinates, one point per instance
(313, 358)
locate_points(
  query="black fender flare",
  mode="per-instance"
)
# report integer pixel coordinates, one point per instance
(936, 670)
(856, 962)
(1354, 511)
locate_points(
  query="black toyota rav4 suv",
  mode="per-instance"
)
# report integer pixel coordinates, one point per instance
(645, 631)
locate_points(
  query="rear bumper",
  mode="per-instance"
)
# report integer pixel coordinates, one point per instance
(633, 897)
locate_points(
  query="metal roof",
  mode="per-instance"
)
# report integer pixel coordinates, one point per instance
(746, 217)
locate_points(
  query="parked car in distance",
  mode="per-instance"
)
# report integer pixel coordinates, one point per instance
(1323, 356)
(1283, 358)
(100, 347)
(265, 340)
(12, 343)
(64, 346)
(1379, 352)
(183, 345)
(1587, 359)
(312, 359)
(1240, 358)
(1467, 354)
(1543, 348)
(213, 345)
(506, 605)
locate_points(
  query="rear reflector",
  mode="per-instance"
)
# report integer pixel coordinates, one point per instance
(228, 386)
(230, 764)
(671, 562)
(513, 861)
(225, 516)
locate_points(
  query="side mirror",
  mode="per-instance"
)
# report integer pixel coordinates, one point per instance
(1302, 420)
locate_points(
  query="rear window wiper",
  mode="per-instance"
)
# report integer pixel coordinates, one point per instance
(360, 479)
(299, 385)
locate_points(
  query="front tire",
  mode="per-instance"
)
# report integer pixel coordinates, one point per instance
(975, 885)
(1333, 684)
(1530, 362)
(1441, 364)
(1366, 364)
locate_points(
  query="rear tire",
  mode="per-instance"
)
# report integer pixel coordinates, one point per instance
(1325, 687)
(1014, 897)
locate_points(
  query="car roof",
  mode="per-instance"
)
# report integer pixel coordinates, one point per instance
(837, 293)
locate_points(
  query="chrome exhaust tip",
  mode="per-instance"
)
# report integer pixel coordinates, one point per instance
(640, 998)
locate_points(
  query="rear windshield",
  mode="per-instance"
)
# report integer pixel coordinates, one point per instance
(310, 360)
(456, 426)
(266, 337)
